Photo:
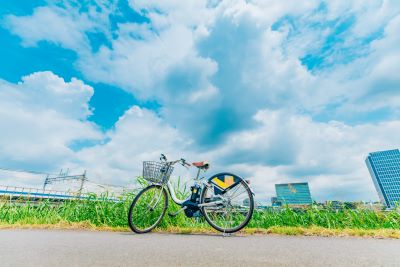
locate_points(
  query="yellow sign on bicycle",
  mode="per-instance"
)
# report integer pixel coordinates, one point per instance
(227, 182)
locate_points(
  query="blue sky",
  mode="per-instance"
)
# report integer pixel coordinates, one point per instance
(277, 92)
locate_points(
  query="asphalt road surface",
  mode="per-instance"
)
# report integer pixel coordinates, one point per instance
(79, 248)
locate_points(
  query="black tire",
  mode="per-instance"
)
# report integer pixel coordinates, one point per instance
(135, 213)
(241, 225)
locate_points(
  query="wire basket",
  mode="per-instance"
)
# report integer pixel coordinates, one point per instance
(157, 172)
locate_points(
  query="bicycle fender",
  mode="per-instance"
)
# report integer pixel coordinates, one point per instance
(224, 181)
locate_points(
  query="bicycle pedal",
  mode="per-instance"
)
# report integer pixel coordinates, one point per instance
(197, 214)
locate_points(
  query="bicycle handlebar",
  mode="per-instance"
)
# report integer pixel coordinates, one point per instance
(182, 161)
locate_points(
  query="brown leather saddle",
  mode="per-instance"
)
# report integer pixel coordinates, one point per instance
(201, 165)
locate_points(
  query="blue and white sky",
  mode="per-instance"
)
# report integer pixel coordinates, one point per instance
(275, 91)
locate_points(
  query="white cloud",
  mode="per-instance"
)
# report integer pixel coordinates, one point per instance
(287, 148)
(139, 58)
(40, 117)
(371, 82)
(63, 24)
(166, 13)
(232, 89)
(283, 148)
(138, 135)
(142, 57)
(51, 24)
(234, 56)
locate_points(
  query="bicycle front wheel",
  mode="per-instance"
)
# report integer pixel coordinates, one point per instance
(147, 209)
(228, 211)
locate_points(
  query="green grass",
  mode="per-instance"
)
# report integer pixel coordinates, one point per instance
(104, 213)
(330, 219)
(95, 214)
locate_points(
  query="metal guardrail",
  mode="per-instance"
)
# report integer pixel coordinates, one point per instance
(35, 192)
(27, 192)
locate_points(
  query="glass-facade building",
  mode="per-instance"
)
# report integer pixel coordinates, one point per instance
(293, 193)
(384, 167)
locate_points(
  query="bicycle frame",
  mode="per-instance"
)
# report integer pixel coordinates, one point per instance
(183, 202)
(172, 190)
(173, 195)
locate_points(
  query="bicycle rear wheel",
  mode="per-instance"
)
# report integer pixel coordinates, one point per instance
(147, 209)
(233, 213)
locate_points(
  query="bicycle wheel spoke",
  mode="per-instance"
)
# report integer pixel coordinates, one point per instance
(226, 219)
(235, 210)
(232, 191)
(147, 209)
(238, 192)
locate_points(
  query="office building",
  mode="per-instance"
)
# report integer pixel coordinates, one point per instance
(293, 194)
(384, 167)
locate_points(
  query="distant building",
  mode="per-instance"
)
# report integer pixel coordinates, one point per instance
(293, 194)
(384, 167)
(275, 202)
(339, 205)
(333, 204)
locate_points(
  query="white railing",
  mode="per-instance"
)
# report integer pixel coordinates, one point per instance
(36, 193)
(29, 193)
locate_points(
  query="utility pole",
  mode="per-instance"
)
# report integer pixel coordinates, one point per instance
(83, 179)
(46, 182)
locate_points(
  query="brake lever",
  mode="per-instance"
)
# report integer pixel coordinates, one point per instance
(185, 164)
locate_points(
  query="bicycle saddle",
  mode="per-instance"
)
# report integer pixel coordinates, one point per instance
(201, 164)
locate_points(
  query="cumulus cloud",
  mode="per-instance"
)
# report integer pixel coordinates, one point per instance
(287, 147)
(282, 148)
(260, 50)
(139, 58)
(138, 135)
(165, 13)
(275, 91)
(63, 24)
(40, 117)
(240, 63)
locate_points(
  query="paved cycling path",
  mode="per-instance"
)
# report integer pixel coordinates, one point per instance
(79, 248)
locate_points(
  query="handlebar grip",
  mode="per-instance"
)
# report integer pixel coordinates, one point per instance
(184, 163)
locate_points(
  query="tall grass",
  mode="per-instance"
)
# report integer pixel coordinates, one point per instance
(99, 211)
(327, 218)
(114, 214)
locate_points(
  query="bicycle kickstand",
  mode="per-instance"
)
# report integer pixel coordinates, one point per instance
(224, 234)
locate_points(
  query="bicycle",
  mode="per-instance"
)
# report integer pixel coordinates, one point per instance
(225, 200)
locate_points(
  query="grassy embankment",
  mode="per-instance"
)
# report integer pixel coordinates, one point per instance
(111, 216)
